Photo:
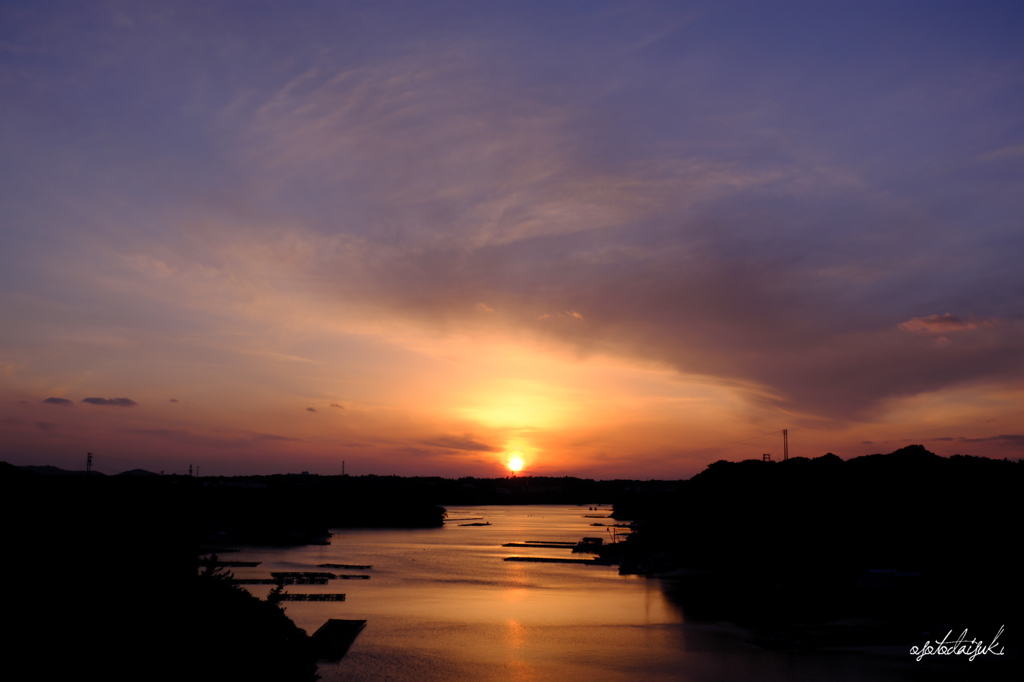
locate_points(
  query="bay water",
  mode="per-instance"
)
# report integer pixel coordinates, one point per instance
(442, 604)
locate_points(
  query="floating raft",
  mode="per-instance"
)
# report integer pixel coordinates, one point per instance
(354, 567)
(284, 596)
(553, 560)
(546, 545)
(279, 581)
(300, 575)
(332, 641)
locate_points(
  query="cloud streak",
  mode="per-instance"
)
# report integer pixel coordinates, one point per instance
(466, 442)
(188, 438)
(1015, 440)
(941, 324)
(111, 402)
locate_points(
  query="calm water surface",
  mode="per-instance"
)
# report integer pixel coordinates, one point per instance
(442, 605)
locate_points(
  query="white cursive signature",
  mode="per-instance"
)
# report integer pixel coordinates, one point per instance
(960, 646)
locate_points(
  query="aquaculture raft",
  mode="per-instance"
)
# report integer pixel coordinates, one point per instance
(332, 641)
(555, 560)
(549, 545)
(279, 581)
(589, 544)
(285, 596)
(359, 567)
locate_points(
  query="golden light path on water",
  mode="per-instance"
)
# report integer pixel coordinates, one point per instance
(442, 604)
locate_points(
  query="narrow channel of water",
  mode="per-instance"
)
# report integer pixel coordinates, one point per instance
(441, 604)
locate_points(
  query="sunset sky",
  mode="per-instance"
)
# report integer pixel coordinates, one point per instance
(621, 239)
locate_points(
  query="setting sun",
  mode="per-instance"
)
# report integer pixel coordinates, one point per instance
(515, 462)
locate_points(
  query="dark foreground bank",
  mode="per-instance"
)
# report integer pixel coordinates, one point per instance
(883, 550)
(104, 580)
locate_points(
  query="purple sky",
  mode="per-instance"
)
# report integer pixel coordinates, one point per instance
(619, 239)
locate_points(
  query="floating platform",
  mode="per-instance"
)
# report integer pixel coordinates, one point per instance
(298, 578)
(354, 567)
(284, 596)
(279, 581)
(332, 640)
(300, 575)
(545, 545)
(554, 560)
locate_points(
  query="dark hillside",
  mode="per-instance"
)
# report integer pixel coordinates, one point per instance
(908, 535)
(102, 583)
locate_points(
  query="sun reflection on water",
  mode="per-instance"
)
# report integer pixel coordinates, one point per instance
(516, 635)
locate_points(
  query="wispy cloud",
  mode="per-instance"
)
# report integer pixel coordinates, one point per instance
(216, 440)
(465, 442)
(115, 402)
(942, 324)
(1008, 152)
(1016, 440)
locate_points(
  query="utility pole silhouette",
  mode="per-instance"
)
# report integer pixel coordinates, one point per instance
(785, 444)
(88, 463)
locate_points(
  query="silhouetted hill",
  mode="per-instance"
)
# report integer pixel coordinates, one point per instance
(138, 472)
(103, 584)
(907, 534)
(47, 470)
(298, 509)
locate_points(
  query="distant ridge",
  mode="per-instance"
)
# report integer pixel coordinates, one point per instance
(48, 470)
(138, 472)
